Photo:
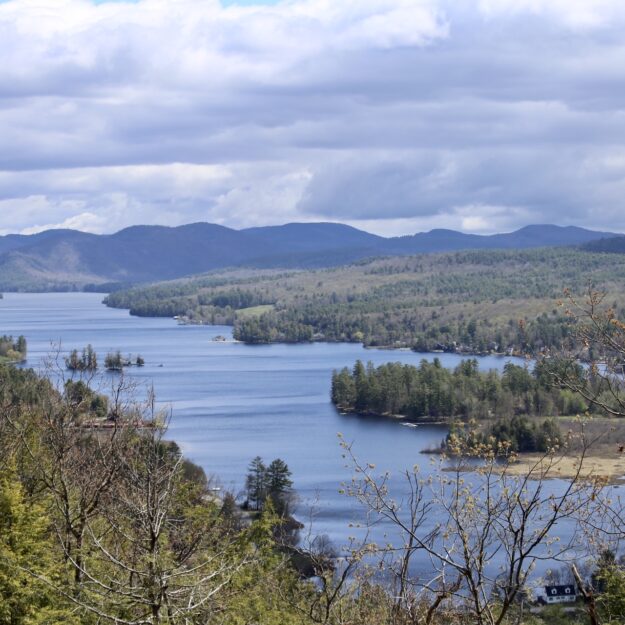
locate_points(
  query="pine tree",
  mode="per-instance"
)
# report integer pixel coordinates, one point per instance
(90, 358)
(255, 484)
(278, 484)
(21, 345)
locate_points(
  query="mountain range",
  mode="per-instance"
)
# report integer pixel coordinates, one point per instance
(69, 259)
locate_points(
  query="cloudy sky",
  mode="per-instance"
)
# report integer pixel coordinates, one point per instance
(395, 116)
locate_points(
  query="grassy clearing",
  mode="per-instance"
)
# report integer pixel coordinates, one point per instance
(254, 311)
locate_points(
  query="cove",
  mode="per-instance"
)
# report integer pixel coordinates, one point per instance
(230, 402)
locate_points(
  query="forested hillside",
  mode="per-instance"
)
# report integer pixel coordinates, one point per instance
(473, 302)
(56, 260)
(611, 245)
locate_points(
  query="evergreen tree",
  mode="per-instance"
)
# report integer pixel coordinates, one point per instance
(87, 361)
(21, 345)
(278, 485)
(114, 361)
(255, 484)
(90, 358)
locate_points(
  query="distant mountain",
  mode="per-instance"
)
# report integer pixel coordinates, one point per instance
(528, 237)
(68, 259)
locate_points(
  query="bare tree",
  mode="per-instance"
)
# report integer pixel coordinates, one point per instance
(157, 554)
(75, 465)
(492, 525)
(596, 339)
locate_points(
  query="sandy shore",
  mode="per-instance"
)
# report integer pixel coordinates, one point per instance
(612, 469)
(609, 469)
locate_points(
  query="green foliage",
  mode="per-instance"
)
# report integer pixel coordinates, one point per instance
(28, 567)
(609, 584)
(87, 361)
(255, 483)
(106, 527)
(471, 302)
(278, 485)
(432, 392)
(13, 350)
(85, 400)
(114, 361)
(518, 434)
(23, 387)
(271, 482)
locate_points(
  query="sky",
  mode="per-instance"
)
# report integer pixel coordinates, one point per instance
(395, 116)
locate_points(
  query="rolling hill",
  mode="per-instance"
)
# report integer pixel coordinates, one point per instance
(68, 259)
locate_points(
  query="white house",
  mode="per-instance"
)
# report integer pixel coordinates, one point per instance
(559, 594)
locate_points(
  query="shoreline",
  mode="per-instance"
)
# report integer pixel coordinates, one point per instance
(393, 417)
(602, 462)
(183, 321)
(596, 466)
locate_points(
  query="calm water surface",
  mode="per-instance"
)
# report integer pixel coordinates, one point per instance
(231, 402)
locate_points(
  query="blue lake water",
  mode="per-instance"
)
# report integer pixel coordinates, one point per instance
(231, 402)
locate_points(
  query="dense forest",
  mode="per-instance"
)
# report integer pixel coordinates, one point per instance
(467, 302)
(431, 392)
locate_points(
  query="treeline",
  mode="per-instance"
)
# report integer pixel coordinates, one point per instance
(13, 350)
(464, 302)
(362, 323)
(518, 434)
(85, 361)
(431, 392)
(273, 328)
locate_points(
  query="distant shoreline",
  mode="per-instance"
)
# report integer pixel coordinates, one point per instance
(181, 321)
(394, 417)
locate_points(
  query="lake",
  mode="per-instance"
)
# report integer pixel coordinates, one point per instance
(231, 402)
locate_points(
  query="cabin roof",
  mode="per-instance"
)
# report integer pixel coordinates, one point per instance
(561, 591)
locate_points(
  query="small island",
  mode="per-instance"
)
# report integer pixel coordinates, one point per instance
(87, 361)
(114, 361)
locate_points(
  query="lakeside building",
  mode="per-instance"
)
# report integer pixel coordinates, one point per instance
(558, 594)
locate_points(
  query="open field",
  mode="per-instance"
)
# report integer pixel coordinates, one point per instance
(254, 311)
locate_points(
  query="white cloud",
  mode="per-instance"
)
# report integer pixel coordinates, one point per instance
(391, 114)
(87, 222)
(576, 14)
